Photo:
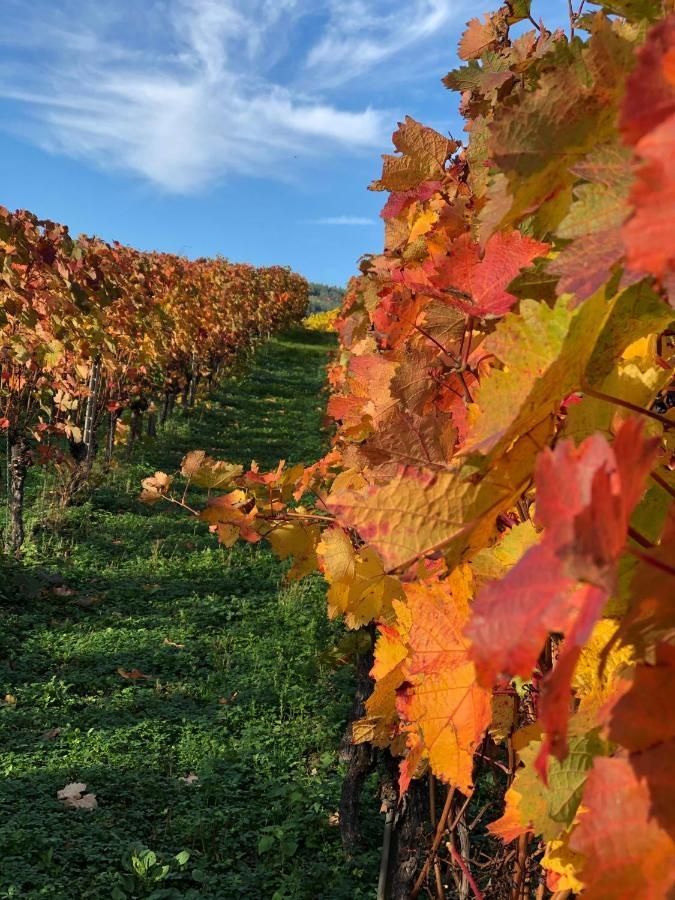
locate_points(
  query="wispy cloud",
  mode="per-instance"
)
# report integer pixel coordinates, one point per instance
(363, 33)
(342, 220)
(182, 92)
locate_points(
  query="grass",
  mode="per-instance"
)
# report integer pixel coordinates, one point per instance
(237, 694)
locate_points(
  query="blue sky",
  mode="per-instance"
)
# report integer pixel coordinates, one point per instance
(248, 128)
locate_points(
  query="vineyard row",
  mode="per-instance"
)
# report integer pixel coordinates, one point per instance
(89, 329)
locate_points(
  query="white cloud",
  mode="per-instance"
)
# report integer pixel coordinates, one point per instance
(343, 220)
(182, 92)
(363, 33)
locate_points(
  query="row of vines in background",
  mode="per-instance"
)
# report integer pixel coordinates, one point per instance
(90, 329)
(498, 501)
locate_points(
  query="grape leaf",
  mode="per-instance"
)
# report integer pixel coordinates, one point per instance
(650, 233)
(650, 88)
(627, 854)
(585, 497)
(204, 471)
(359, 588)
(418, 511)
(424, 155)
(544, 353)
(548, 809)
(483, 277)
(481, 36)
(440, 701)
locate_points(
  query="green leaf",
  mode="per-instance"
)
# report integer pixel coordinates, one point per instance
(182, 857)
(265, 843)
(633, 10)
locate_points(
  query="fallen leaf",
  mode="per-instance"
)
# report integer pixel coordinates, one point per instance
(74, 796)
(133, 674)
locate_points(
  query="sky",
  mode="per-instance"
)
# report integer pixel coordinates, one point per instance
(245, 128)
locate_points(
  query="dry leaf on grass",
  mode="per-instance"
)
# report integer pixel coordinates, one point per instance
(133, 674)
(74, 796)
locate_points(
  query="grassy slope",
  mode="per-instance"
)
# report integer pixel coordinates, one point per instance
(256, 822)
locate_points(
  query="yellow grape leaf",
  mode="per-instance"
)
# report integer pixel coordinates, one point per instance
(592, 686)
(504, 715)
(495, 561)
(359, 588)
(563, 862)
(544, 352)
(337, 555)
(422, 225)
(380, 725)
(420, 511)
(632, 381)
(299, 541)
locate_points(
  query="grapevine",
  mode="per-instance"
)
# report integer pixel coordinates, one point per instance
(90, 329)
(498, 499)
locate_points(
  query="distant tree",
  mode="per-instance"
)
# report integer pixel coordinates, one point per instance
(323, 297)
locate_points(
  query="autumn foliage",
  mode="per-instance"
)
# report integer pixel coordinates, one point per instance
(90, 329)
(499, 495)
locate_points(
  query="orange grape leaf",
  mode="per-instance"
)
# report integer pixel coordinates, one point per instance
(481, 36)
(440, 702)
(133, 674)
(511, 824)
(232, 511)
(424, 155)
(627, 853)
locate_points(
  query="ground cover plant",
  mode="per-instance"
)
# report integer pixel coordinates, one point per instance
(186, 685)
(498, 501)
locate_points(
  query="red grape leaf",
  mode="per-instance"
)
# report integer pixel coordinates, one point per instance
(484, 277)
(650, 88)
(585, 496)
(650, 234)
(627, 854)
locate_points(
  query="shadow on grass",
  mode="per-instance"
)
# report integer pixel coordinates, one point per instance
(235, 694)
